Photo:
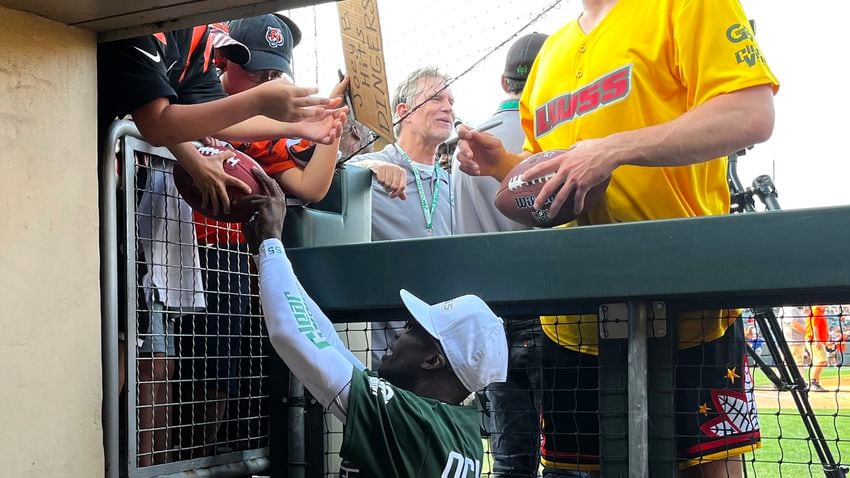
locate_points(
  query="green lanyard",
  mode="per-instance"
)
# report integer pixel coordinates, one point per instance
(428, 213)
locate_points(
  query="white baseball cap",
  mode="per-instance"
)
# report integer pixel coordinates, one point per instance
(472, 336)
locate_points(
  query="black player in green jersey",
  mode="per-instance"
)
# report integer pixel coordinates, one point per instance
(406, 420)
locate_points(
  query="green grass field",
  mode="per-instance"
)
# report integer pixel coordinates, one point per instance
(786, 450)
(841, 374)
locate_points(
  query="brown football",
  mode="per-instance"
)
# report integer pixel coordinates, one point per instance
(516, 195)
(239, 166)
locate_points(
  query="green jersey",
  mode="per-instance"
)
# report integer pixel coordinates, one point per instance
(392, 433)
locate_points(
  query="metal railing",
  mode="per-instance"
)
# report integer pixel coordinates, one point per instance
(134, 423)
(148, 239)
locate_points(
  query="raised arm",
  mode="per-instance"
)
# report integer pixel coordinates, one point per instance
(310, 350)
(299, 332)
(163, 123)
(320, 320)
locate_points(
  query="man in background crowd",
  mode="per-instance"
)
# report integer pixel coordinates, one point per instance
(817, 336)
(410, 192)
(794, 329)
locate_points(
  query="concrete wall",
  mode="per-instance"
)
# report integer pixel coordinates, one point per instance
(50, 378)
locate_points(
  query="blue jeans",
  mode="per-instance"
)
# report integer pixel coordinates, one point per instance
(516, 405)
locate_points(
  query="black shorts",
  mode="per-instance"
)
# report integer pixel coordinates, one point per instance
(211, 342)
(715, 409)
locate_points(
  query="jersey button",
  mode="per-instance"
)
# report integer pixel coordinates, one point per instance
(582, 49)
(579, 74)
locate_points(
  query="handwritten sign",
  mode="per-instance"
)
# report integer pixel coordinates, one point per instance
(363, 50)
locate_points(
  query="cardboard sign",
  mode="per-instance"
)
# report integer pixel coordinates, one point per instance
(363, 50)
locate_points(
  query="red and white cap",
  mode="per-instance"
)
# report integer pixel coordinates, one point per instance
(472, 336)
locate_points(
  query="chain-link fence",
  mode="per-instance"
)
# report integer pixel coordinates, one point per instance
(192, 350)
(736, 397)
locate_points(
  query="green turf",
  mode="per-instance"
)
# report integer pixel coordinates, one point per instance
(787, 452)
(828, 373)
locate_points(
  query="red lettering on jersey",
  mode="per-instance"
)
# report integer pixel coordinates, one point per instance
(616, 85)
(555, 112)
(542, 123)
(562, 109)
(552, 114)
(588, 98)
(567, 107)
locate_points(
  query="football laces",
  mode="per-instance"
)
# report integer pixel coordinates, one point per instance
(209, 150)
(518, 182)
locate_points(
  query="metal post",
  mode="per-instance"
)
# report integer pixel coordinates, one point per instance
(109, 294)
(637, 370)
(131, 309)
(613, 389)
(296, 448)
(661, 380)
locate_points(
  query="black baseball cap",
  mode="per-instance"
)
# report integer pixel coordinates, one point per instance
(270, 38)
(522, 54)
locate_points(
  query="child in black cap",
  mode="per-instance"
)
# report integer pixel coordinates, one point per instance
(270, 40)
(250, 52)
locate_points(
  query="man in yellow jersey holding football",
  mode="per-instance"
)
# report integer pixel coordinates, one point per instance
(653, 95)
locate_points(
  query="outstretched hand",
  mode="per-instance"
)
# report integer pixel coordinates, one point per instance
(267, 221)
(283, 101)
(480, 154)
(326, 129)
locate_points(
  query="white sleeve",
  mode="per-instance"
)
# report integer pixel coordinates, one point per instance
(323, 323)
(328, 329)
(308, 349)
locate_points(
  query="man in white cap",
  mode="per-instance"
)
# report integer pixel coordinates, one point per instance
(406, 420)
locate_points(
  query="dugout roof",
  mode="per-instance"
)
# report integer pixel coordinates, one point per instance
(114, 19)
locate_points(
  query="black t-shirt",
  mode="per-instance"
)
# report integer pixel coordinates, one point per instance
(175, 65)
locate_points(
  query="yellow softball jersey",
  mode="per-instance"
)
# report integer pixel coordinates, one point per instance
(644, 64)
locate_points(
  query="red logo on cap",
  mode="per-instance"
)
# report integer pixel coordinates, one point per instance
(274, 36)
